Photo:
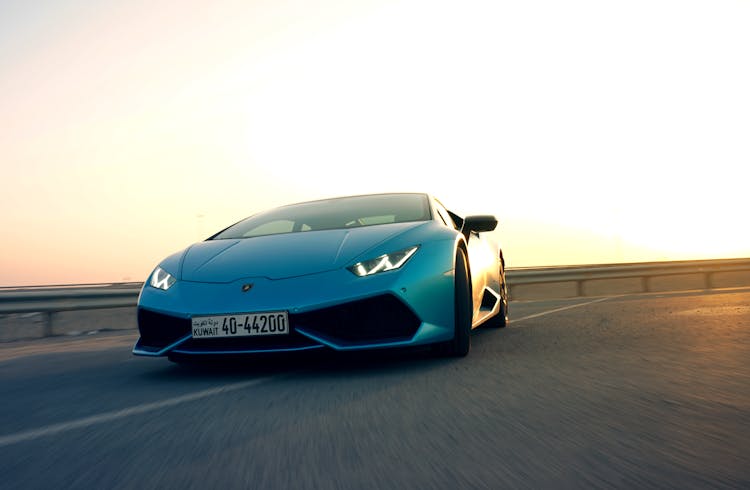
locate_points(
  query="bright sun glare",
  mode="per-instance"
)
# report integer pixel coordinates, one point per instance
(596, 132)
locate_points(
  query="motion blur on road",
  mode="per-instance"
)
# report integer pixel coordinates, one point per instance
(636, 391)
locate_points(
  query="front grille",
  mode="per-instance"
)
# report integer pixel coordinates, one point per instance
(158, 330)
(379, 319)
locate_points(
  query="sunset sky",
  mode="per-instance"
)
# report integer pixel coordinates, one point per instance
(597, 131)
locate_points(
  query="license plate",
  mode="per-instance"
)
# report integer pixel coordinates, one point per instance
(242, 325)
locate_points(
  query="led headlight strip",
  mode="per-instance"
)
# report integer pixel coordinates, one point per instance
(384, 263)
(161, 279)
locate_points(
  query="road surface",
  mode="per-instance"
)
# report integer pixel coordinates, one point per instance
(622, 392)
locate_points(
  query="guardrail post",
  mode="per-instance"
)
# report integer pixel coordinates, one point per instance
(645, 284)
(579, 288)
(709, 280)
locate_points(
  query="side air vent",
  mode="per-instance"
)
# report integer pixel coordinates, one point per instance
(489, 300)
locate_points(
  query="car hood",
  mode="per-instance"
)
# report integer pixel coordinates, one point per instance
(283, 256)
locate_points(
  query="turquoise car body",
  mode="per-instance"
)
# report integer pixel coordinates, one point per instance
(308, 274)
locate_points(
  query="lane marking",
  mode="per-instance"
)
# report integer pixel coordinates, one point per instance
(49, 430)
(577, 305)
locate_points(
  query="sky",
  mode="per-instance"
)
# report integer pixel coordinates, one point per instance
(596, 131)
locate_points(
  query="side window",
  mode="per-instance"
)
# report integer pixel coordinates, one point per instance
(444, 215)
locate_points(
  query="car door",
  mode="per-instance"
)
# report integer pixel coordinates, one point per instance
(483, 260)
(484, 266)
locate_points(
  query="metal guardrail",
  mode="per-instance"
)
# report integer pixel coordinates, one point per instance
(52, 299)
(643, 270)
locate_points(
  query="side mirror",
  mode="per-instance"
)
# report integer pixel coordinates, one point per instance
(479, 223)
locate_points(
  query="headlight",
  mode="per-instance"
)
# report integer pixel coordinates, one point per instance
(387, 262)
(161, 279)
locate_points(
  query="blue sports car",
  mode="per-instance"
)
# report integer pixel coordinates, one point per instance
(360, 272)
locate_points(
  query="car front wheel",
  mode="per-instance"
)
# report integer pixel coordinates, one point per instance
(461, 343)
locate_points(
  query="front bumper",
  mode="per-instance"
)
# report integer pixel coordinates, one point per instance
(379, 321)
(334, 309)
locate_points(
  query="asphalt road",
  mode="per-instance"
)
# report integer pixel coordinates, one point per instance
(644, 391)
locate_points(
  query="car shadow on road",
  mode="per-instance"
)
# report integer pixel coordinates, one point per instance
(320, 362)
(324, 362)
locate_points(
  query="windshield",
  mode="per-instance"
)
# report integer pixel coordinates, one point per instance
(332, 214)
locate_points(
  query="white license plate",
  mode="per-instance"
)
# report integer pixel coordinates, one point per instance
(243, 325)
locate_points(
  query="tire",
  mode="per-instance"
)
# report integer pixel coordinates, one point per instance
(501, 319)
(461, 343)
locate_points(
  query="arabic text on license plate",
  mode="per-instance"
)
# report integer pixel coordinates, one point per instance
(242, 325)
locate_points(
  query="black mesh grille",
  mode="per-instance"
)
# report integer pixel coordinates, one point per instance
(380, 319)
(159, 330)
